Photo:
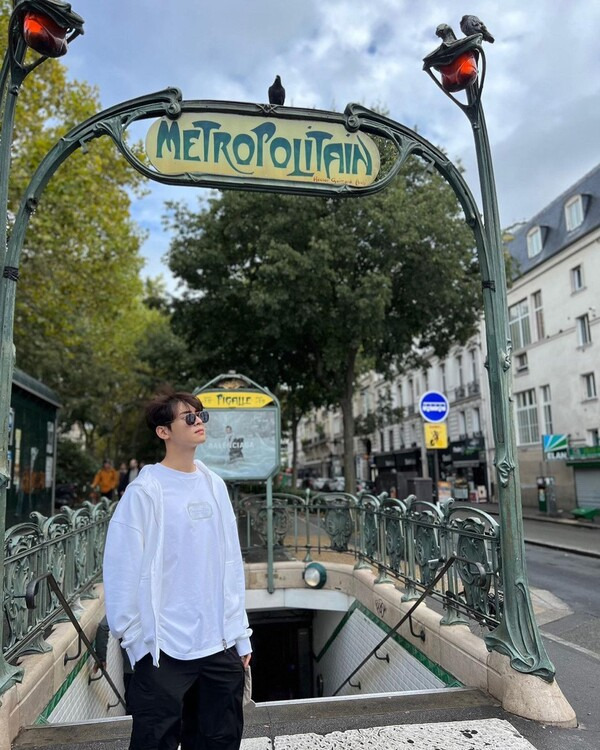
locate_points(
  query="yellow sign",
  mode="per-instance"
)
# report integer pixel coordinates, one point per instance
(234, 399)
(436, 435)
(247, 146)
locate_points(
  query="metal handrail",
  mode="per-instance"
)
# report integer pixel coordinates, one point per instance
(407, 615)
(30, 594)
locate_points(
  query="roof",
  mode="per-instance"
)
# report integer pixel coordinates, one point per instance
(552, 222)
(36, 387)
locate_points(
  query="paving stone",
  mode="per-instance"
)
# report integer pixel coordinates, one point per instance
(490, 734)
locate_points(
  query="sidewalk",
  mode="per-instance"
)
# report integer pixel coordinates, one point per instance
(561, 533)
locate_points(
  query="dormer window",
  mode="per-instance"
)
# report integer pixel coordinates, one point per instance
(574, 213)
(534, 242)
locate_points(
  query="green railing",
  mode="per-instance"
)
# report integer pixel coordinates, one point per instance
(406, 541)
(69, 545)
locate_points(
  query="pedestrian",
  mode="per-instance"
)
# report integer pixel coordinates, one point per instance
(128, 476)
(106, 479)
(122, 480)
(174, 588)
(101, 648)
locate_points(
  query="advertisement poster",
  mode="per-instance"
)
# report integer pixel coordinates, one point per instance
(241, 444)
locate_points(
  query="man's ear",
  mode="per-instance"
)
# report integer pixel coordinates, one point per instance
(164, 433)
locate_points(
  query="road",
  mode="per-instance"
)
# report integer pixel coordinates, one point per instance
(572, 641)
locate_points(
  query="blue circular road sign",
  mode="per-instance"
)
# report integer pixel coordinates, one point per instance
(434, 406)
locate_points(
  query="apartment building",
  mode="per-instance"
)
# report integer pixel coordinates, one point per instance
(554, 318)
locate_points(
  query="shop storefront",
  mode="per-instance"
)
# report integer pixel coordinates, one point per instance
(396, 469)
(585, 461)
(463, 466)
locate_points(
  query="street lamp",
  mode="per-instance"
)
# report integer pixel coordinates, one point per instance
(47, 27)
(461, 64)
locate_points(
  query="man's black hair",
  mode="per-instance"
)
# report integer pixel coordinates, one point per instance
(161, 409)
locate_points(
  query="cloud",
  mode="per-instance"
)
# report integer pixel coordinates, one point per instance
(541, 93)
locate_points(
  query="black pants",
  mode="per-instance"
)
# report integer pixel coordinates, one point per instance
(196, 702)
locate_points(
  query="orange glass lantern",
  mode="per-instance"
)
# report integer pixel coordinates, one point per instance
(460, 73)
(44, 35)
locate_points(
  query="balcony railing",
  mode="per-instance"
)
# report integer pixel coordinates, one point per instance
(404, 540)
(70, 545)
(459, 392)
(474, 388)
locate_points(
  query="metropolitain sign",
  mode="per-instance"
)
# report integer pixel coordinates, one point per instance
(249, 146)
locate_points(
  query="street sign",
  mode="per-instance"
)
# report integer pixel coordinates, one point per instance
(555, 447)
(436, 435)
(434, 406)
(248, 147)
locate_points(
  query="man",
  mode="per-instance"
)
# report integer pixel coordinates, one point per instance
(174, 587)
(106, 479)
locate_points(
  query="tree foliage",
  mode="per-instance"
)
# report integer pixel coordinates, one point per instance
(306, 292)
(81, 324)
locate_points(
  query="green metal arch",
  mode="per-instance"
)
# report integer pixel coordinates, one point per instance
(517, 636)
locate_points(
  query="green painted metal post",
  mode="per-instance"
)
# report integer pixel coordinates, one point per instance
(11, 79)
(12, 75)
(517, 636)
(270, 572)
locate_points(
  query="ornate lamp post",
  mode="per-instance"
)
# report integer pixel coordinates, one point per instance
(457, 61)
(47, 27)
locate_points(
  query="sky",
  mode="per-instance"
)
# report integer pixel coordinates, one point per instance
(541, 96)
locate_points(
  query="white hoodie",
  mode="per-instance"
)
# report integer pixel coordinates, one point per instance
(133, 559)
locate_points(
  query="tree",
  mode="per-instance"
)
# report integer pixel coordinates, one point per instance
(311, 291)
(79, 313)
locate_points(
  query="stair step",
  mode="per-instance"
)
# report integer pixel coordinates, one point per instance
(284, 718)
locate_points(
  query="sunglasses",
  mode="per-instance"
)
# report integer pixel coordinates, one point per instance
(191, 417)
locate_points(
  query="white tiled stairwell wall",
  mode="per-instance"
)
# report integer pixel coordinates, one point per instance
(358, 633)
(80, 701)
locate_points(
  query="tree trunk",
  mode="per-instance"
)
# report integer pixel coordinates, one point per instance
(294, 422)
(348, 421)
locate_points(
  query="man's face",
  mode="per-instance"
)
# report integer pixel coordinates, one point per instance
(181, 432)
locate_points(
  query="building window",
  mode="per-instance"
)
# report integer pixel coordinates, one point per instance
(538, 314)
(546, 409)
(521, 364)
(576, 278)
(534, 242)
(443, 376)
(589, 385)
(381, 441)
(391, 439)
(459, 371)
(527, 418)
(462, 424)
(426, 380)
(584, 335)
(411, 392)
(476, 416)
(366, 402)
(518, 317)
(400, 397)
(594, 437)
(574, 213)
(474, 368)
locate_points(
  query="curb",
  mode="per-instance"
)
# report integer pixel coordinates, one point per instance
(559, 548)
(572, 522)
